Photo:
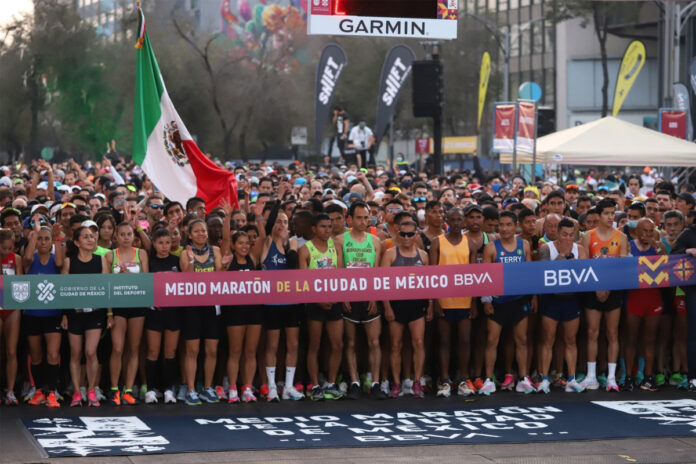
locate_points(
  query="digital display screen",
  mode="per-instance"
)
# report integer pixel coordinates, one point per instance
(425, 9)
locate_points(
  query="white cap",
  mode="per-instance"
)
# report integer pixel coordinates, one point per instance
(6, 180)
(35, 207)
(42, 185)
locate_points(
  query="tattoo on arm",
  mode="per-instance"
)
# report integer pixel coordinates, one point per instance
(544, 254)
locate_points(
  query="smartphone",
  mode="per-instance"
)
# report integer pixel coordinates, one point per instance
(240, 194)
(144, 224)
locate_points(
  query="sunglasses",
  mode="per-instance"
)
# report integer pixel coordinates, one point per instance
(41, 222)
(68, 205)
(394, 210)
(157, 206)
(407, 234)
(417, 199)
(572, 187)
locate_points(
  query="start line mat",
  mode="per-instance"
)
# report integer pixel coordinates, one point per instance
(133, 435)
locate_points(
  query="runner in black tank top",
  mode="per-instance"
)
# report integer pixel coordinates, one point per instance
(86, 323)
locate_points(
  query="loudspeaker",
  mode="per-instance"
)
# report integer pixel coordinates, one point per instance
(427, 89)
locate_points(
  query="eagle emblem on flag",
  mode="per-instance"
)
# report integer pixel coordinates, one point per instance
(173, 145)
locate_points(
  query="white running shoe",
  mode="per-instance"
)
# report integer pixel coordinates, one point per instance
(612, 386)
(272, 396)
(574, 387)
(463, 389)
(291, 393)
(525, 386)
(488, 388)
(248, 395)
(589, 383)
(150, 397)
(100, 394)
(169, 397)
(232, 395)
(384, 386)
(83, 392)
(444, 390)
(544, 386)
(29, 394)
(406, 387)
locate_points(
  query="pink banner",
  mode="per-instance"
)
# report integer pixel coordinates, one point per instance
(423, 146)
(326, 285)
(504, 128)
(526, 127)
(673, 122)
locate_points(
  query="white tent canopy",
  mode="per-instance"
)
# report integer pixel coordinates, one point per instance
(613, 142)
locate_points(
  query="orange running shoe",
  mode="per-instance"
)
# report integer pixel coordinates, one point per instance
(478, 383)
(115, 398)
(52, 400)
(471, 385)
(128, 398)
(38, 399)
(263, 391)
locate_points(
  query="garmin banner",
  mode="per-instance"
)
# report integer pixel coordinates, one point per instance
(682, 101)
(480, 423)
(395, 71)
(172, 289)
(331, 63)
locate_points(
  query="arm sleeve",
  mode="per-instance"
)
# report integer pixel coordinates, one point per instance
(685, 241)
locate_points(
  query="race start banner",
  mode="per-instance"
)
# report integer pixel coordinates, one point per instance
(172, 289)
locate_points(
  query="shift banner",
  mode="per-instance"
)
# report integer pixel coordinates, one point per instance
(331, 63)
(395, 71)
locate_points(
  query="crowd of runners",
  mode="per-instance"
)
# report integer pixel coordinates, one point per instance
(106, 217)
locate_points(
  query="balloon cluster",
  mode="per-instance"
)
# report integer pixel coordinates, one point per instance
(253, 33)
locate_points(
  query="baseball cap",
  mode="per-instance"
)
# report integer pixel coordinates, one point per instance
(471, 208)
(89, 223)
(689, 198)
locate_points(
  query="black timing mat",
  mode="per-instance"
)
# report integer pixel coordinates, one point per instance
(467, 423)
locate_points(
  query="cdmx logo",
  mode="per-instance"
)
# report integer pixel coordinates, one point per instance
(45, 292)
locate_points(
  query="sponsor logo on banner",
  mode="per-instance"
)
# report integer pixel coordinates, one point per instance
(45, 292)
(20, 291)
(565, 277)
(668, 412)
(395, 71)
(653, 272)
(329, 69)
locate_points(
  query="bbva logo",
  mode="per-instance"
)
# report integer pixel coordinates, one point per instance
(565, 277)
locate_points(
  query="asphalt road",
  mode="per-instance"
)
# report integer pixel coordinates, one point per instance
(17, 446)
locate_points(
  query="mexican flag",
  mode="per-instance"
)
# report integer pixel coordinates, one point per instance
(163, 147)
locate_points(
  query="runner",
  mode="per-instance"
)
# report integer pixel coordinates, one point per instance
(361, 250)
(162, 321)
(643, 306)
(10, 319)
(85, 325)
(413, 313)
(563, 308)
(446, 249)
(322, 253)
(603, 242)
(509, 309)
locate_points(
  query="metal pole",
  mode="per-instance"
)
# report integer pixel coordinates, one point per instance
(536, 130)
(391, 144)
(506, 82)
(677, 40)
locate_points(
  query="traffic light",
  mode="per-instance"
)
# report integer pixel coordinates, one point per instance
(427, 89)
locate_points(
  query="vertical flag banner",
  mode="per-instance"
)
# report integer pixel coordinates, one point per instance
(504, 118)
(396, 69)
(484, 77)
(423, 146)
(631, 64)
(331, 63)
(526, 127)
(673, 122)
(161, 144)
(683, 102)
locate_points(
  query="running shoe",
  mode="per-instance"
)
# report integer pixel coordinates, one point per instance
(29, 394)
(143, 392)
(299, 387)
(525, 386)
(181, 393)
(59, 397)
(612, 386)
(114, 398)
(100, 394)
(544, 386)
(376, 393)
(192, 398)
(602, 379)
(384, 386)
(395, 391)
(640, 373)
(580, 377)
(574, 386)
(444, 390)
(128, 399)
(151, 397)
(465, 388)
(92, 400)
(353, 392)
(589, 383)
(559, 381)
(76, 400)
(291, 393)
(426, 381)
(317, 393)
(343, 387)
(487, 388)
(478, 383)
(169, 397)
(220, 392)
(209, 396)
(407, 387)
(272, 395)
(418, 391)
(263, 391)
(11, 399)
(508, 383)
(232, 395)
(684, 384)
(692, 385)
(52, 400)
(621, 371)
(660, 380)
(676, 379)
(648, 384)
(248, 395)
(332, 393)
(627, 385)
(83, 392)
(37, 398)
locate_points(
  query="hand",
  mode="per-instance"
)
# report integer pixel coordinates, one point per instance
(282, 188)
(227, 259)
(488, 309)
(37, 222)
(64, 323)
(429, 312)
(346, 307)
(226, 207)
(473, 313)
(257, 210)
(372, 308)
(602, 295)
(389, 314)
(109, 322)
(43, 164)
(189, 253)
(57, 231)
(123, 269)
